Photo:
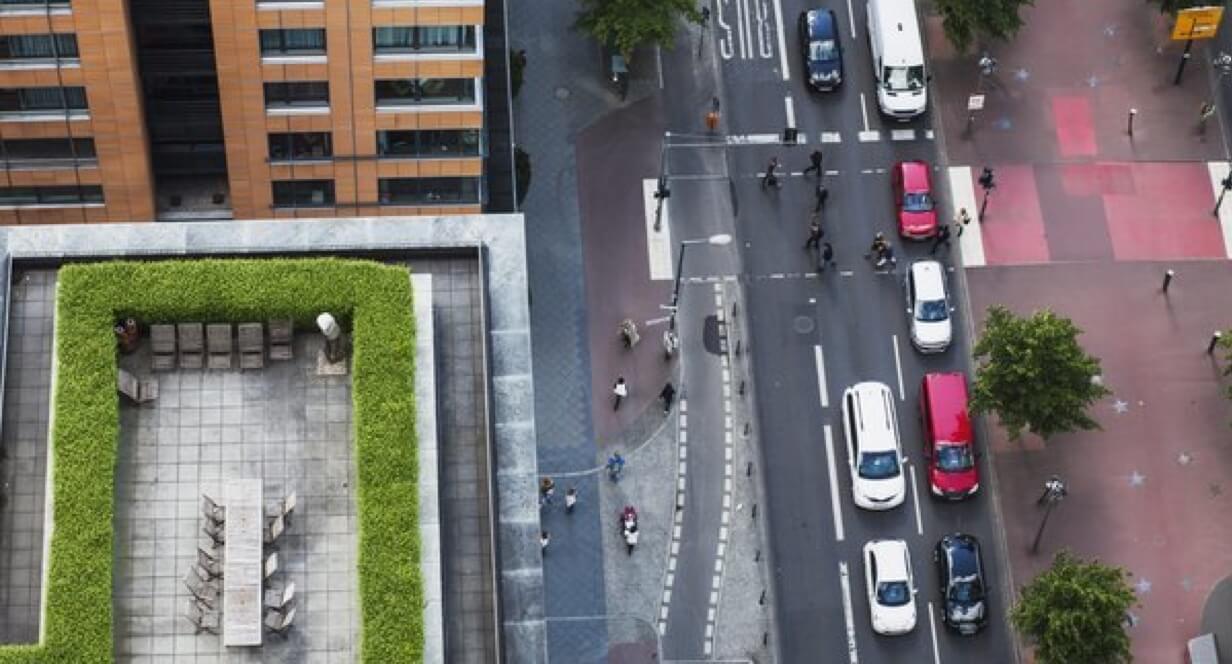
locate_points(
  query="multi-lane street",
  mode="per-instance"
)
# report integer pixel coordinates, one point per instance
(811, 336)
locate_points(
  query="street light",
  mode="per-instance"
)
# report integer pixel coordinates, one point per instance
(719, 240)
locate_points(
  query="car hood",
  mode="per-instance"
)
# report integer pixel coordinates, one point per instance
(918, 221)
(894, 619)
(953, 482)
(823, 68)
(901, 103)
(931, 334)
(880, 491)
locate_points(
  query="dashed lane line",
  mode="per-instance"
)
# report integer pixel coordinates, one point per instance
(836, 507)
(853, 656)
(681, 483)
(728, 454)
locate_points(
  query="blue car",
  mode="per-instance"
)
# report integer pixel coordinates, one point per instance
(823, 53)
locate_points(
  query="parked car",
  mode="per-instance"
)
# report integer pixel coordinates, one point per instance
(914, 206)
(821, 48)
(928, 307)
(960, 574)
(948, 443)
(890, 585)
(874, 451)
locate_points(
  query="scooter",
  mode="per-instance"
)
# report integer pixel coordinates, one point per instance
(628, 527)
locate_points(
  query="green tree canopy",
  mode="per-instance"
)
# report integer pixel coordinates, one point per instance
(1034, 374)
(965, 21)
(1075, 611)
(626, 24)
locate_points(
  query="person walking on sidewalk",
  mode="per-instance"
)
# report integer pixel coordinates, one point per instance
(544, 540)
(943, 235)
(822, 194)
(815, 233)
(620, 390)
(827, 257)
(668, 395)
(771, 178)
(547, 489)
(628, 333)
(963, 220)
(570, 499)
(815, 158)
(615, 466)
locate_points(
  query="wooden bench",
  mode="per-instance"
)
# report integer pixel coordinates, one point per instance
(191, 345)
(140, 391)
(252, 346)
(281, 333)
(219, 345)
(162, 342)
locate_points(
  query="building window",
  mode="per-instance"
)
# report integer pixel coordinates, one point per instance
(303, 193)
(82, 195)
(20, 4)
(428, 143)
(300, 146)
(304, 41)
(428, 191)
(38, 47)
(425, 91)
(42, 99)
(37, 150)
(424, 39)
(290, 94)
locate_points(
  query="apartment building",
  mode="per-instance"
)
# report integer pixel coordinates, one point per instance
(137, 110)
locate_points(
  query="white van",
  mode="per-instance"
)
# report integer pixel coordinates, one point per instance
(898, 58)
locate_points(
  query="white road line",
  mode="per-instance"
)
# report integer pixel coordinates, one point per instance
(752, 139)
(928, 133)
(852, 655)
(932, 624)
(898, 367)
(915, 498)
(864, 113)
(658, 242)
(832, 470)
(778, 26)
(851, 18)
(790, 108)
(659, 64)
(902, 134)
(831, 137)
(1219, 171)
(971, 242)
(742, 27)
(820, 359)
(870, 136)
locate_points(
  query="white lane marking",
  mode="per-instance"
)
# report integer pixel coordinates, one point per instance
(932, 624)
(831, 137)
(754, 139)
(852, 655)
(898, 367)
(1219, 171)
(864, 113)
(902, 134)
(790, 108)
(658, 243)
(915, 498)
(778, 26)
(971, 241)
(725, 40)
(742, 26)
(928, 133)
(870, 136)
(820, 359)
(659, 64)
(832, 471)
(851, 18)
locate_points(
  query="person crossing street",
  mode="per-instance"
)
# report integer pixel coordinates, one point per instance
(815, 233)
(815, 158)
(771, 178)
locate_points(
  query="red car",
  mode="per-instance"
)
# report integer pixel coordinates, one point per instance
(948, 443)
(913, 199)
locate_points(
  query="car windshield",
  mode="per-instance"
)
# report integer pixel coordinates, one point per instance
(917, 202)
(966, 591)
(904, 79)
(954, 458)
(878, 465)
(931, 311)
(893, 593)
(823, 50)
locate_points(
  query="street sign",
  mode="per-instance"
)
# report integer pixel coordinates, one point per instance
(1196, 23)
(975, 103)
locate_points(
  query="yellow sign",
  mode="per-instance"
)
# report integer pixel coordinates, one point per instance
(1197, 23)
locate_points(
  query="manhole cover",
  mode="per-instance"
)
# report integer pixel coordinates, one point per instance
(804, 324)
(562, 93)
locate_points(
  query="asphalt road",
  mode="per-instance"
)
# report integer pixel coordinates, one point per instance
(852, 317)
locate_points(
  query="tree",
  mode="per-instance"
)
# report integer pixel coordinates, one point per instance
(965, 21)
(1034, 374)
(626, 24)
(1173, 6)
(1075, 611)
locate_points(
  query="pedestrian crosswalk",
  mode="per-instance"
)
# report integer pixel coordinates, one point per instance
(831, 137)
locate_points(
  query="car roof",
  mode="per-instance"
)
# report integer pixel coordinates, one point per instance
(821, 23)
(891, 555)
(947, 401)
(962, 551)
(916, 175)
(929, 280)
(874, 404)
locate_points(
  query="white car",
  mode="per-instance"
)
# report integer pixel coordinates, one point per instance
(890, 585)
(874, 451)
(928, 307)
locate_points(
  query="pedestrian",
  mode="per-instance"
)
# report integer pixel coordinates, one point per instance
(943, 235)
(827, 256)
(822, 194)
(963, 220)
(814, 163)
(878, 247)
(628, 333)
(547, 489)
(570, 499)
(815, 233)
(615, 466)
(668, 395)
(544, 540)
(770, 179)
(620, 390)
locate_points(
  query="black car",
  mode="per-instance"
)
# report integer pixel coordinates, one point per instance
(823, 54)
(960, 572)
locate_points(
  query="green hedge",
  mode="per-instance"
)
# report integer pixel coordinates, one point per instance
(374, 299)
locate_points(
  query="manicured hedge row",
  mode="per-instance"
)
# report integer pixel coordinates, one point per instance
(374, 299)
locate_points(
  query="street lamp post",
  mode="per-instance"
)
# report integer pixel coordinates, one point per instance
(720, 240)
(1054, 492)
